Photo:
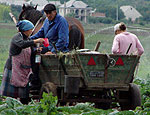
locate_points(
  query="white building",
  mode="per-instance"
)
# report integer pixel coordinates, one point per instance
(130, 13)
(40, 3)
(78, 8)
(15, 2)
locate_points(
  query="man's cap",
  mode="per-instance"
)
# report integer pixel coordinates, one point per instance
(49, 7)
(24, 25)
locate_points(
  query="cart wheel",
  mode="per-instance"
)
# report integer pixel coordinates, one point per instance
(134, 98)
(48, 87)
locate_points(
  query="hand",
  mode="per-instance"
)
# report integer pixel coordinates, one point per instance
(39, 40)
(39, 48)
(48, 53)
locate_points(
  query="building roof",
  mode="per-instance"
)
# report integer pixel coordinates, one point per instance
(42, 3)
(56, 3)
(80, 4)
(39, 2)
(130, 12)
(74, 4)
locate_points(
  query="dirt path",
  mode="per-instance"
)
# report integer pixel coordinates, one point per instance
(7, 26)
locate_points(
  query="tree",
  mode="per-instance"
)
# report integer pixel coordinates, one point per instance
(4, 12)
(16, 9)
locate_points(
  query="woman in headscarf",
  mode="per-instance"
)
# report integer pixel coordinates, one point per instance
(17, 70)
(126, 42)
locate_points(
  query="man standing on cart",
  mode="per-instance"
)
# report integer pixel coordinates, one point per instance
(56, 29)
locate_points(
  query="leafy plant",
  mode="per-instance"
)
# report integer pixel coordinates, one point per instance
(48, 104)
(145, 94)
(144, 89)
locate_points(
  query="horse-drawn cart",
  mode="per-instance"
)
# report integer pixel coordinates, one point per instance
(91, 77)
(88, 76)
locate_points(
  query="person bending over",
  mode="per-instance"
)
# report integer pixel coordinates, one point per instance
(123, 39)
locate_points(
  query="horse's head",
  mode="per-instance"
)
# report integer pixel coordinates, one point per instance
(30, 13)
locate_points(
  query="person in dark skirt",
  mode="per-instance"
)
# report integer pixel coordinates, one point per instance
(17, 70)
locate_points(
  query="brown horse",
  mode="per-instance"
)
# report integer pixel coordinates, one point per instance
(76, 30)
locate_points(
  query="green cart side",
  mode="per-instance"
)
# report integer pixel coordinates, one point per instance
(91, 77)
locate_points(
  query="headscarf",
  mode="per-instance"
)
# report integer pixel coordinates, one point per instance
(24, 25)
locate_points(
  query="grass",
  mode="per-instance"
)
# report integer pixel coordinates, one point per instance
(105, 36)
(6, 33)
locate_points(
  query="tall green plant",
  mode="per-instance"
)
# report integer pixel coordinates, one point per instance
(48, 103)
